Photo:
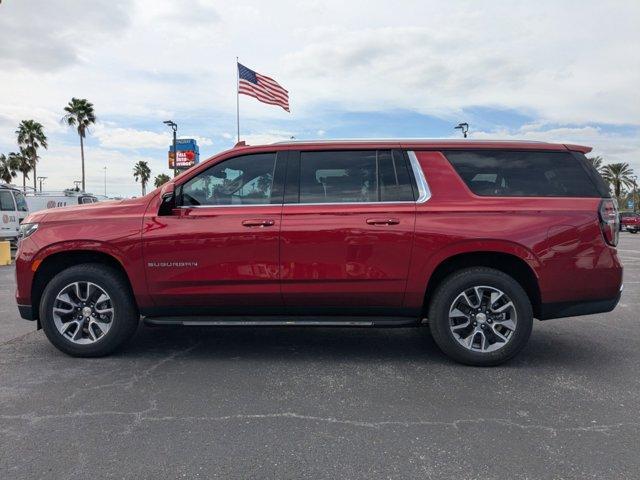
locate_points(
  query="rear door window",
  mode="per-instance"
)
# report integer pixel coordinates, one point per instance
(523, 174)
(354, 176)
(393, 176)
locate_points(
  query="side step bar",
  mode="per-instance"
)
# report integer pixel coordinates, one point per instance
(280, 321)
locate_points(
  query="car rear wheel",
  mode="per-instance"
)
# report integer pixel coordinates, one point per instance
(480, 316)
(88, 310)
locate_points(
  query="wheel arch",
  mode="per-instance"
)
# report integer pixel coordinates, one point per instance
(508, 263)
(56, 262)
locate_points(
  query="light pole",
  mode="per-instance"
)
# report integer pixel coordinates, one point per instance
(171, 124)
(635, 192)
(41, 179)
(105, 180)
(463, 127)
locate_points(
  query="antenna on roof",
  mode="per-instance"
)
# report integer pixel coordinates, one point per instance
(464, 127)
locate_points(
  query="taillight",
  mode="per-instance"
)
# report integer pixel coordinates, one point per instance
(609, 221)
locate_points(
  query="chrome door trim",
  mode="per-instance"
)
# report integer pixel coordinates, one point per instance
(424, 193)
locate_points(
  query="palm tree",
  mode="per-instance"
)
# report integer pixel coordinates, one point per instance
(31, 137)
(618, 175)
(596, 162)
(23, 164)
(161, 179)
(8, 168)
(80, 114)
(142, 172)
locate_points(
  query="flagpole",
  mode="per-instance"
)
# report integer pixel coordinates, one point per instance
(238, 99)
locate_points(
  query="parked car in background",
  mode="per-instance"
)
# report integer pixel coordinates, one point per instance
(13, 210)
(44, 200)
(473, 238)
(630, 221)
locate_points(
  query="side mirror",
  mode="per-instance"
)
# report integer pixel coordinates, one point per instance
(167, 188)
(167, 199)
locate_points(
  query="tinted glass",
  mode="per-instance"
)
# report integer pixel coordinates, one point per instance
(21, 202)
(6, 202)
(338, 177)
(393, 177)
(523, 174)
(596, 178)
(245, 180)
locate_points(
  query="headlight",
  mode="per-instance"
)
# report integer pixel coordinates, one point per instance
(27, 229)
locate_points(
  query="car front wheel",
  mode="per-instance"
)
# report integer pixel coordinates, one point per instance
(88, 310)
(480, 316)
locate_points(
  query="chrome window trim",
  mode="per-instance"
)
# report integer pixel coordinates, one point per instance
(233, 206)
(424, 193)
(350, 203)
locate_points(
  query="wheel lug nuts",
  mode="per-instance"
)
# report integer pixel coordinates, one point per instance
(484, 326)
(475, 324)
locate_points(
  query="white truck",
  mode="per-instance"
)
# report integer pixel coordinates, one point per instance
(13, 209)
(42, 200)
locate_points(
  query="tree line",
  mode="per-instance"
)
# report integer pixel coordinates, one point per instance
(620, 178)
(79, 113)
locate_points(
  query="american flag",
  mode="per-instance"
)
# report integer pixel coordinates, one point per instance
(265, 89)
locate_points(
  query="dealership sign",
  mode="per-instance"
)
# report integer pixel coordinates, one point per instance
(188, 154)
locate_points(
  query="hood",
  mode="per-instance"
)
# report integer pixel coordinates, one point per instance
(91, 211)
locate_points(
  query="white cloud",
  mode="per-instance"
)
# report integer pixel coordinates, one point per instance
(265, 138)
(111, 136)
(118, 137)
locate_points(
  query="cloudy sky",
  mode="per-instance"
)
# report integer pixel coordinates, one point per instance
(547, 70)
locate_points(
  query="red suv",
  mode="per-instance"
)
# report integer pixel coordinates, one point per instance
(473, 239)
(630, 222)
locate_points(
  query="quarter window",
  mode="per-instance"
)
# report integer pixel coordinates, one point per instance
(244, 180)
(506, 173)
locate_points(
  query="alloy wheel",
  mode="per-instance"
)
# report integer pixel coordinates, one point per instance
(482, 319)
(83, 312)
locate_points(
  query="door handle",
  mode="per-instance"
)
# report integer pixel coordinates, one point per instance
(258, 223)
(383, 221)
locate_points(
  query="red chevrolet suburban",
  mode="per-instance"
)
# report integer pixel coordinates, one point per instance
(473, 239)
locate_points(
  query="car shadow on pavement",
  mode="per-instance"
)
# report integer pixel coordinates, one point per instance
(545, 347)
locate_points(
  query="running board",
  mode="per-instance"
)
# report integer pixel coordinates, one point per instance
(277, 321)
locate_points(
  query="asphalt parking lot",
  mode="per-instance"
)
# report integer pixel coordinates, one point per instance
(324, 403)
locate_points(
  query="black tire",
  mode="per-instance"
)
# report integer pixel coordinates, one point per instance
(458, 282)
(633, 231)
(125, 318)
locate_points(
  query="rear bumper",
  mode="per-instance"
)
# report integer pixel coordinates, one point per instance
(26, 312)
(576, 309)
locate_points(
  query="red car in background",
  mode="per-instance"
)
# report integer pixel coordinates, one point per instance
(630, 222)
(473, 238)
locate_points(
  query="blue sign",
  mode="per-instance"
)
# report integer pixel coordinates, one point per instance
(188, 153)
